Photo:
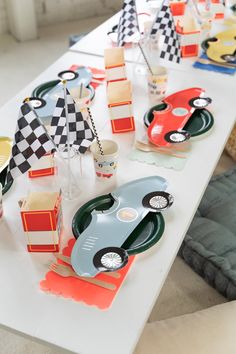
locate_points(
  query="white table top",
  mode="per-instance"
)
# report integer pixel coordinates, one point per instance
(27, 310)
(97, 40)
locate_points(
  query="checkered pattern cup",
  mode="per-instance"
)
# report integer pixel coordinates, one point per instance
(157, 84)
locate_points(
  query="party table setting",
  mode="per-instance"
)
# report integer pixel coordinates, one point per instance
(103, 166)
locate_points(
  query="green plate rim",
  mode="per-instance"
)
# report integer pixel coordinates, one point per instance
(204, 44)
(7, 186)
(97, 203)
(203, 111)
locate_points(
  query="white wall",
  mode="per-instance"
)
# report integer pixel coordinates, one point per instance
(55, 11)
(3, 17)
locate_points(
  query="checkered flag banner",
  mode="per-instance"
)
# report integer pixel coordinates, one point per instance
(30, 144)
(128, 24)
(80, 134)
(164, 24)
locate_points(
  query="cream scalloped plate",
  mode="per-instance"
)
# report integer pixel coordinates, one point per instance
(5, 151)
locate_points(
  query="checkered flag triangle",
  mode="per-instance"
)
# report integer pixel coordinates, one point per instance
(128, 24)
(80, 134)
(164, 24)
(30, 144)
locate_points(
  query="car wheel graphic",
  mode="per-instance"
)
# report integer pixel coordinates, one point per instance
(229, 58)
(200, 102)
(110, 258)
(158, 201)
(36, 102)
(177, 136)
(68, 75)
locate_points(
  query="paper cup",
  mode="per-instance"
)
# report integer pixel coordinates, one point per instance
(85, 98)
(105, 165)
(157, 84)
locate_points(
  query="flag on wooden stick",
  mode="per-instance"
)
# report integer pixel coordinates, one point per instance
(128, 24)
(31, 142)
(80, 134)
(164, 24)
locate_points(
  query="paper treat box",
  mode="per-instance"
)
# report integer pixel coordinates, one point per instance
(216, 7)
(177, 7)
(119, 96)
(43, 167)
(114, 64)
(190, 32)
(41, 216)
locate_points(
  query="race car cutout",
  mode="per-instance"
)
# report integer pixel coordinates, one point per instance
(167, 126)
(45, 106)
(98, 247)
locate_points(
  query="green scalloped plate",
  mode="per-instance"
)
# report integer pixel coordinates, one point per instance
(7, 186)
(199, 123)
(145, 235)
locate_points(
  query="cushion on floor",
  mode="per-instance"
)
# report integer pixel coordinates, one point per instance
(210, 244)
(210, 331)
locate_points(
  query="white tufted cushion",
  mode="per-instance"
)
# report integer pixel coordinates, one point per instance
(210, 331)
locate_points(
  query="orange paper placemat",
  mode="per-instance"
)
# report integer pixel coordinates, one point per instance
(80, 290)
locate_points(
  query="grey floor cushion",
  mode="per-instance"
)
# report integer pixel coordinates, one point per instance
(210, 244)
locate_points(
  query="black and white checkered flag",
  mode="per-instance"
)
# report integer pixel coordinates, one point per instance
(128, 24)
(164, 24)
(30, 144)
(80, 134)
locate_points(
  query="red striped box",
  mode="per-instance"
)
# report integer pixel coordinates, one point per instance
(119, 95)
(40, 211)
(41, 215)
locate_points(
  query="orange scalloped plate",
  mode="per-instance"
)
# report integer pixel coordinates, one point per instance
(80, 290)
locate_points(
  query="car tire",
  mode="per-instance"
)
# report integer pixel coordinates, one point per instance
(68, 75)
(158, 201)
(36, 102)
(229, 58)
(110, 259)
(200, 102)
(177, 136)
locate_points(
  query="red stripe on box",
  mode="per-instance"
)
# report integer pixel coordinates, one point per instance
(114, 66)
(123, 125)
(43, 248)
(123, 79)
(190, 50)
(40, 173)
(119, 104)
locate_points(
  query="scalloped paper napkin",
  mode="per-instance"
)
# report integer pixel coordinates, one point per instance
(81, 291)
(155, 158)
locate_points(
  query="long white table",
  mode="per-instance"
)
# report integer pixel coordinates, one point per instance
(97, 40)
(24, 308)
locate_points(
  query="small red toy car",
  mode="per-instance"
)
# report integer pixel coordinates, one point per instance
(167, 125)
